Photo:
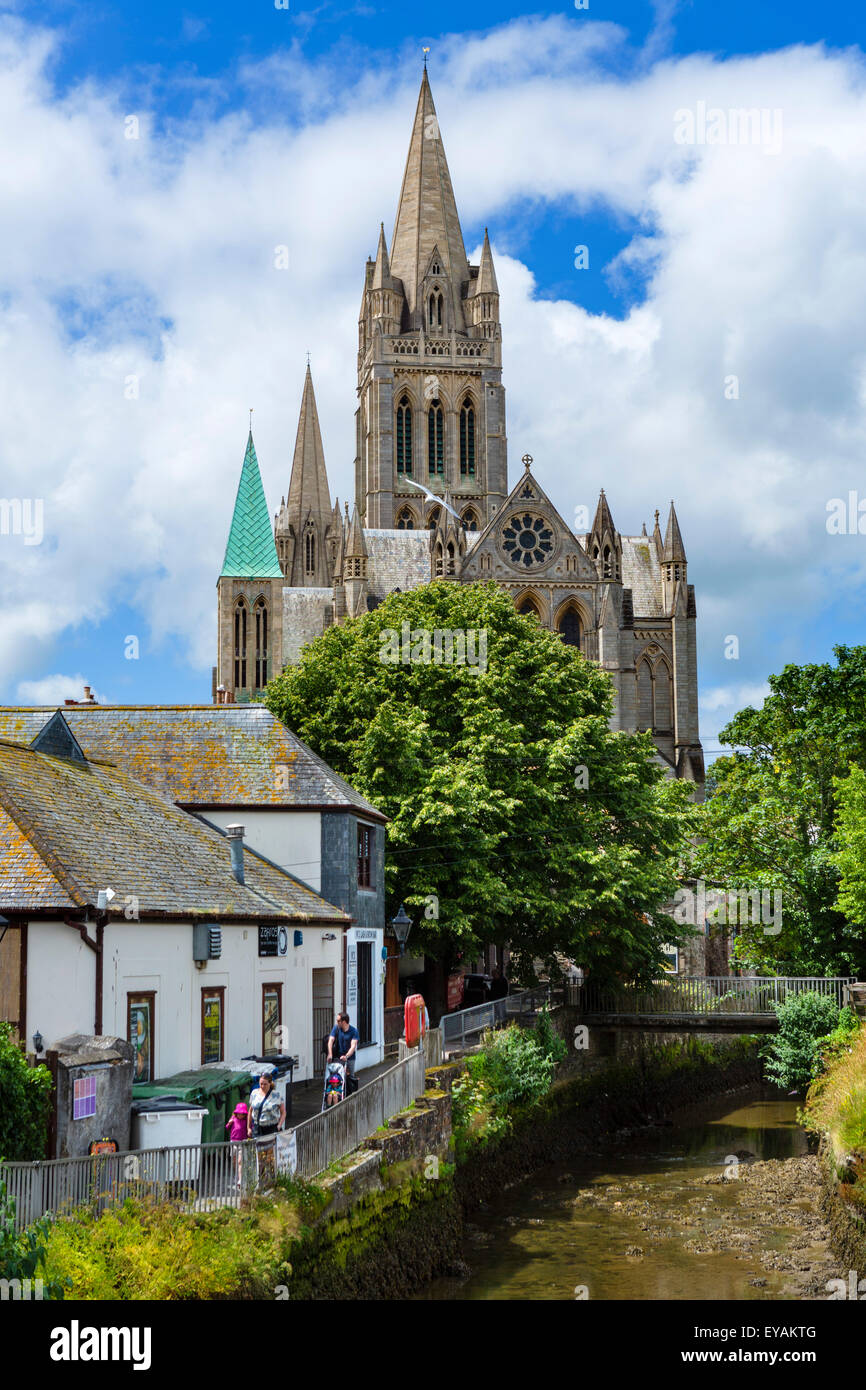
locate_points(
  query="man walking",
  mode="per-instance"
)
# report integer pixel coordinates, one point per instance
(343, 1045)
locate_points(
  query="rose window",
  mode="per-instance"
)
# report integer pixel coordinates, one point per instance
(527, 540)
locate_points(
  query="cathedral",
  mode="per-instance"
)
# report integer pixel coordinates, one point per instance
(432, 498)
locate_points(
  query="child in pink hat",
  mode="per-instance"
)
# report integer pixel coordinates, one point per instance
(237, 1128)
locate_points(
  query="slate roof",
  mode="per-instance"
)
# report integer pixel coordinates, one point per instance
(641, 572)
(200, 755)
(250, 550)
(70, 828)
(397, 559)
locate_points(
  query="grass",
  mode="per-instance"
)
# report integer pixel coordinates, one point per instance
(836, 1102)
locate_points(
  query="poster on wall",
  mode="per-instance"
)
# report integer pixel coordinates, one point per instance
(212, 1026)
(141, 1037)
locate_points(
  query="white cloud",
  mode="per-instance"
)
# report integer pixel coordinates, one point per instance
(154, 259)
(53, 690)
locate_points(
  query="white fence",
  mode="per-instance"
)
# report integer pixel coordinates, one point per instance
(469, 1023)
(202, 1177)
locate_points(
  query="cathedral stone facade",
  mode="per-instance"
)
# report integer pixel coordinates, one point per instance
(432, 497)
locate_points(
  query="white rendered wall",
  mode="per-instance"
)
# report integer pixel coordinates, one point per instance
(291, 839)
(61, 982)
(144, 956)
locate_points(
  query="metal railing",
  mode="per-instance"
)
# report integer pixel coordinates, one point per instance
(196, 1177)
(691, 995)
(202, 1177)
(496, 1013)
(316, 1143)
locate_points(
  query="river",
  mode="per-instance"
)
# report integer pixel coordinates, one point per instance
(720, 1204)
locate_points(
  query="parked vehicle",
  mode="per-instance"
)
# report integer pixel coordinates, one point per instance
(476, 990)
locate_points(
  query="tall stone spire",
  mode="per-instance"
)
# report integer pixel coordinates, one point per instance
(604, 544)
(486, 282)
(308, 513)
(250, 550)
(427, 219)
(382, 278)
(674, 550)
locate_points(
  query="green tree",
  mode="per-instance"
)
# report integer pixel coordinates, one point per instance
(850, 857)
(804, 1021)
(771, 821)
(515, 814)
(24, 1101)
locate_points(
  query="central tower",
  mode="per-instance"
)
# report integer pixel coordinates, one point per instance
(431, 404)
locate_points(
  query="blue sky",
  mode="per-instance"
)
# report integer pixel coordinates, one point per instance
(140, 315)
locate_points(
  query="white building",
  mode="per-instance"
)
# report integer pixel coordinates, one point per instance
(101, 797)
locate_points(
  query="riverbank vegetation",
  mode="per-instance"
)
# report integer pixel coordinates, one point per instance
(836, 1105)
(793, 1056)
(507, 1077)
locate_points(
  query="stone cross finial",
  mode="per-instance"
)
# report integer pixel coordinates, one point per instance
(527, 461)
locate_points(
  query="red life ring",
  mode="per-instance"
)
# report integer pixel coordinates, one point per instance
(414, 1014)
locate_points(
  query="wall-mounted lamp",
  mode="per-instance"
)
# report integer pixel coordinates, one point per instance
(401, 925)
(329, 936)
(38, 1041)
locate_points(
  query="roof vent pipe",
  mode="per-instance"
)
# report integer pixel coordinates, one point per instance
(235, 835)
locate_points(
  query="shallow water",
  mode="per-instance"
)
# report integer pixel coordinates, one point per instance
(542, 1241)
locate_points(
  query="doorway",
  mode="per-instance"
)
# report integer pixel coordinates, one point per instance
(323, 1014)
(365, 992)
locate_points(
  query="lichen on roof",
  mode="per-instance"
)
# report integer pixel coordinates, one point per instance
(70, 828)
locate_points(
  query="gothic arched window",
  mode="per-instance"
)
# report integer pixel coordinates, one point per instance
(434, 306)
(663, 714)
(261, 620)
(467, 439)
(439, 561)
(435, 439)
(310, 552)
(405, 519)
(404, 436)
(528, 608)
(240, 644)
(644, 696)
(569, 627)
(470, 519)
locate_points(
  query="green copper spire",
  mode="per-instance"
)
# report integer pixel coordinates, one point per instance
(251, 552)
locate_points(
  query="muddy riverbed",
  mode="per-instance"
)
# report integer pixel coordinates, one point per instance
(721, 1203)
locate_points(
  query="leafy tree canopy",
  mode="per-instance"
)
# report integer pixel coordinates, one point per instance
(772, 819)
(491, 820)
(24, 1101)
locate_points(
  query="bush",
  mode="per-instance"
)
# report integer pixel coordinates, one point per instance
(514, 1066)
(22, 1254)
(551, 1044)
(804, 1019)
(24, 1101)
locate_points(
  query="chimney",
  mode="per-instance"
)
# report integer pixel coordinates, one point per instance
(235, 835)
(89, 697)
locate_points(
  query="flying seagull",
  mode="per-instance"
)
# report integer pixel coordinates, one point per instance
(431, 497)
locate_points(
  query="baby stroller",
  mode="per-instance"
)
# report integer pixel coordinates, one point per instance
(335, 1084)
